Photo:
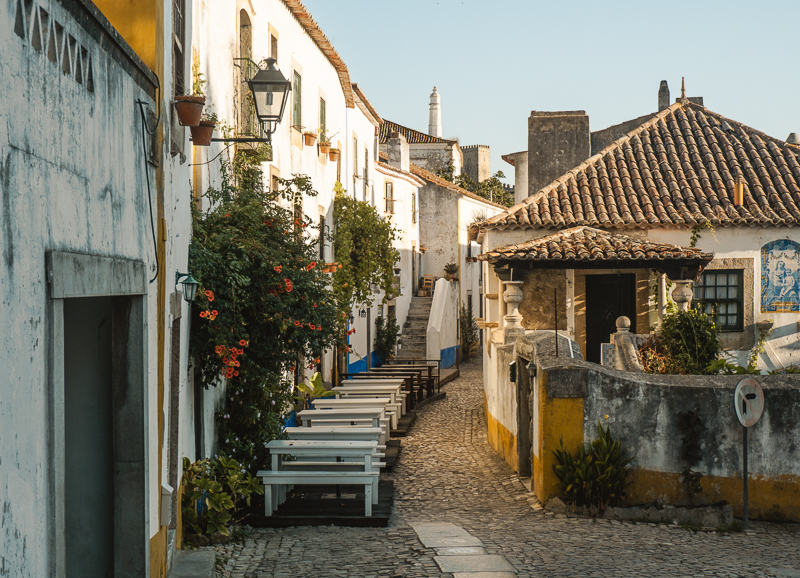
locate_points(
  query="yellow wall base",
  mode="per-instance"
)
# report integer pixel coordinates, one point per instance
(502, 440)
(158, 554)
(773, 499)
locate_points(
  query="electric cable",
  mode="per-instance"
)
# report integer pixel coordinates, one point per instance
(215, 158)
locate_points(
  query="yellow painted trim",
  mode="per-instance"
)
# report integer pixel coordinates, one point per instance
(558, 418)
(158, 554)
(775, 499)
(135, 20)
(501, 439)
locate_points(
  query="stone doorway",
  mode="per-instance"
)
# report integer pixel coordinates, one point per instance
(607, 297)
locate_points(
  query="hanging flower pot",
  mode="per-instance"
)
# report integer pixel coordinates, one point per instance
(324, 148)
(189, 108)
(201, 134)
(333, 154)
(310, 138)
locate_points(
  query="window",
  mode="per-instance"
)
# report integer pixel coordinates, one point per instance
(273, 46)
(366, 172)
(297, 109)
(413, 207)
(247, 121)
(355, 165)
(322, 126)
(178, 46)
(322, 238)
(718, 293)
(389, 198)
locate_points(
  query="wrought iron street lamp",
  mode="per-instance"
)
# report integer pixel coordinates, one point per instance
(190, 285)
(270, 92)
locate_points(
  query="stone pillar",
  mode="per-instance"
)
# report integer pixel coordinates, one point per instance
(435, 115)
(663, 96)
(513, 297)
(682, 294)
(662, 297)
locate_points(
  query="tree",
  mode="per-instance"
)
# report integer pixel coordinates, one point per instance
(264, 304)
(491, 189)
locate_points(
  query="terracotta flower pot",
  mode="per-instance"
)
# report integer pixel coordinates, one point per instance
(201, 135)
(189, 109)
(333, 154)
(310, 138)
(324, 148)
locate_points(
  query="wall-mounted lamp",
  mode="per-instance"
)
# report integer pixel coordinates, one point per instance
(362, 313)
(190, 285)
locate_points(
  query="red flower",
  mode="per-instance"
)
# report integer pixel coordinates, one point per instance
(268, 222)
(278, 268)
(297, 323)
(315, 304)
(311, 265)
(313, 327)
(203, 313)
(291, 368)
(214, 313)
(242, 342)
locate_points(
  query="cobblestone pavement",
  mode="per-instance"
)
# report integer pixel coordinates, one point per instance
(448, 473)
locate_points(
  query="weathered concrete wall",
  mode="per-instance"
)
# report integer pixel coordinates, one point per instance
(538, 307)
(438, 228)
(442, 333)
(602, 138)
(557, 142)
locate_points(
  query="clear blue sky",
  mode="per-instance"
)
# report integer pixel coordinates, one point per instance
(494, 62)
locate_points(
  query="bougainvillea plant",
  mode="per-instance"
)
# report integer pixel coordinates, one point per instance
(265, 305)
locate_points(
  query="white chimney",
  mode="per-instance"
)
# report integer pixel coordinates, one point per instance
(435, 118)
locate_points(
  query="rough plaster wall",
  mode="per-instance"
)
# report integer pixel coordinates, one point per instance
(71, 178)
(557, 143)
(602, 138)
(643, 413)
(537, 299)
(438, 228)
(502, 398)
(443, 320)
(431, 157)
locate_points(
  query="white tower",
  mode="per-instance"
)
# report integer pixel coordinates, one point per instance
(435, 118)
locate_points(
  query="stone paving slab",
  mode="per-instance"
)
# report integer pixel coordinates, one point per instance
(460, 551)
(485, 563)
(439, 530)
(484, 575)
(451, 541)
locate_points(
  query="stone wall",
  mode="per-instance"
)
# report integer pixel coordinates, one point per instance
(557, 143)
(477, 162)
(537, 309)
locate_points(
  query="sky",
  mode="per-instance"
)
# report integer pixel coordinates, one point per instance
(495, 62)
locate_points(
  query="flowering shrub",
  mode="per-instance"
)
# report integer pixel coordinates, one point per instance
(265, 304)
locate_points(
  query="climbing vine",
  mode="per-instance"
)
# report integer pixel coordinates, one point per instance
(264, 305)
(363, 247)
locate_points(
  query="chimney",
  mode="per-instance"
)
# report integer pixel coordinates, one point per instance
(738, 191)
(663, 96)
(397, 151)
(792, 139)
(435, 116)
(557, 142)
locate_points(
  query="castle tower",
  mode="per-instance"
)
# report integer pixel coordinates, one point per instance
(435, 117)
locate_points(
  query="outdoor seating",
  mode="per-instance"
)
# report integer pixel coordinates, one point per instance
(353, 389)
(411, 382)
(392, 409)
(427, 286)
(434, 367)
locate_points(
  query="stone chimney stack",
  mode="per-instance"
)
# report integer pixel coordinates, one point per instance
(557, 142)
(663, 96)
(397, 151)
(792, 139)
(435, 116)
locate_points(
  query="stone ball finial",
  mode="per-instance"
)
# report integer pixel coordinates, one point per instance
(623, 323)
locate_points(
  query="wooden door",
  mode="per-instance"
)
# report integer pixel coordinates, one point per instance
(607, 297)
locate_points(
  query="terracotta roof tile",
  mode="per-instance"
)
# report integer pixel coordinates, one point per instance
(433, 179)
(675, 170)
(367, 104)
(587, 245)
(412, 136)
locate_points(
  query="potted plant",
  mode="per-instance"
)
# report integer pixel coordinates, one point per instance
(451, 269)
(333, 154)
(310, 137)
(190, 106)
(201, 134)
(325, 142)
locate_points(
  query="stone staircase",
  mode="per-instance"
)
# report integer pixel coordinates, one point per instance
(414, 334)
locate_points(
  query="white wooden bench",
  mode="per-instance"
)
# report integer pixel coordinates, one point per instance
(395, 393)
(349, 433)
(283, 478)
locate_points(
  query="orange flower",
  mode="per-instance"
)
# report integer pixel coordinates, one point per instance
(311, 265)
(214, 313)
(235, 373)
(315, 304)
(203, 313)
(297, 323)
(278, 268)
(291, 368)
(242, 342)
(316, 360)
(313, 327)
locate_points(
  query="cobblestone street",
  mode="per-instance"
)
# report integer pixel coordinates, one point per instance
(447, 473)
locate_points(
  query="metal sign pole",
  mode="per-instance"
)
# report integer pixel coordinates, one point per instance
(744, 455)
(555, 314)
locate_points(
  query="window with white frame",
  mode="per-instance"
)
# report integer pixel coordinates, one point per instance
(719, 294)
(389, 197)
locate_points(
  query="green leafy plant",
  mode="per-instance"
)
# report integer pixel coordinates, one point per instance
(491, 189)
(314, 389)
(687, 344)
(451, 268)
(596, 474)
(264, 302)
(197, 79)
(213, 492)
(386, 337)
(469, 333)
(324, 137)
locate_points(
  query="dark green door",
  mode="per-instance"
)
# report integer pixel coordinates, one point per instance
(607, 297)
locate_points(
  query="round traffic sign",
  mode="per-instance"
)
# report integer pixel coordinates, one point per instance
(748, 399)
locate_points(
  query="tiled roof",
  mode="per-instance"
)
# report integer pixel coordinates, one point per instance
(412, 136)
(675, 170)
(367, 104)
(433, 179)
(303, 16)
(587, 245)
(388, 169)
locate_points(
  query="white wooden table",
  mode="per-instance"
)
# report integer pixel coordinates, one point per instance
(393, 391)
(277, 479)
(375, 415)
(392, 409)
(351, 433)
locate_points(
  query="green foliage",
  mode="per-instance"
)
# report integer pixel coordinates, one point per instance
(451, 268)
(491, 189)
(213, 492)
(595, 475)
(469, 333)
(313, 390)
(363, 245)
(722, 366)
(696, 232)
(198, 82)
(264, 303)
(687, 344)
(386, 336)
